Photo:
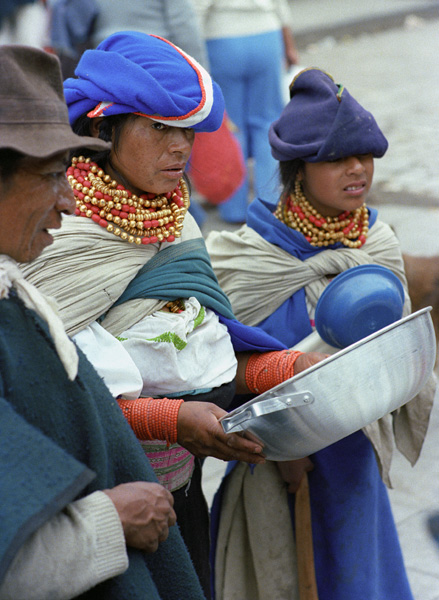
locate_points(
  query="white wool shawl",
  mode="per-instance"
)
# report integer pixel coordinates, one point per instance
(258, 276)
(87, 269)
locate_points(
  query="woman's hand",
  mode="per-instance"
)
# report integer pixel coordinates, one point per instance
(292, 472)
(308, 359)
(199, 431)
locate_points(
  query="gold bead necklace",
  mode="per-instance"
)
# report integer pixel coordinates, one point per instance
(348, 228)
(144, 219)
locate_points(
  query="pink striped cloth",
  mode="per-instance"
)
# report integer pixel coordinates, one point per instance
(173, 466)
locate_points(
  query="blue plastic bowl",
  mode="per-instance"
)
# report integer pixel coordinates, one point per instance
(357, 303)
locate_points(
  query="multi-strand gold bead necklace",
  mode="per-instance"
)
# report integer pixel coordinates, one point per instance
(144, 219)
(348, 228)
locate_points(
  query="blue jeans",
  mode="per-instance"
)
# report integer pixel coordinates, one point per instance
(249, 71)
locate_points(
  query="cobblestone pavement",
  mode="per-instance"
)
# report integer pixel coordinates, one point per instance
(395, 74)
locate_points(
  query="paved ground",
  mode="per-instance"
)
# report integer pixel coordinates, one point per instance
(385, 52)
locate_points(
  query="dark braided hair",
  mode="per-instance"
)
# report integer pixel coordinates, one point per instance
(109, 127)
(288, 172)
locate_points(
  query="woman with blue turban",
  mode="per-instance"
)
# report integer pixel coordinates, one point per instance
(274, 269)
(132, 277)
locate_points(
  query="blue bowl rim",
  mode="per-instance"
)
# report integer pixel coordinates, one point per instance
(341, 278)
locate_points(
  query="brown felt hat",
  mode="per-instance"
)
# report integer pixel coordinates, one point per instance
(33, 112)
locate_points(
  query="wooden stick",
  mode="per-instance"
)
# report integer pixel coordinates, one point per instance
(304, 544)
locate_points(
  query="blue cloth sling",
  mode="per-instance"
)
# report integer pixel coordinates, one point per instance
(184, 270)
(293, 311)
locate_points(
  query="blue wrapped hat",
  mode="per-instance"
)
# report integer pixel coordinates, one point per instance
(323, 122)
(133, 72)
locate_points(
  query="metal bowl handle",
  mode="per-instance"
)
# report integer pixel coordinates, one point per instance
(233, 422)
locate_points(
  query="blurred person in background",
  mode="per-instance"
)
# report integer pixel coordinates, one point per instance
(24, 22)
(248, 43)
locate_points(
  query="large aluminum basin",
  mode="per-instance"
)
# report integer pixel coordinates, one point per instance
(342, 394)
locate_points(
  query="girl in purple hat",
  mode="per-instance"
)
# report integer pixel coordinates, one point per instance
(274, 269)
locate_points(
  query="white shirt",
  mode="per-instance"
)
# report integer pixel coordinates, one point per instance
(165, 354)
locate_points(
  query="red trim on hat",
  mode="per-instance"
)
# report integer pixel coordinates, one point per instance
(200, 81)
(98, 111)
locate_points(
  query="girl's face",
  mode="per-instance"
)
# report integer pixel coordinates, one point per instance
(333, 187)
(150, 156)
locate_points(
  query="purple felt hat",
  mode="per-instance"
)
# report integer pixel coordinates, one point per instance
(323, 122)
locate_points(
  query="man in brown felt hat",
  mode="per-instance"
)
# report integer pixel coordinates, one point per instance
(74, 518)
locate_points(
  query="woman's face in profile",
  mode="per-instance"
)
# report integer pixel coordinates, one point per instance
(151, 156)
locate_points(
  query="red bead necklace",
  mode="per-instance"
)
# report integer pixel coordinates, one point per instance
(144, 219)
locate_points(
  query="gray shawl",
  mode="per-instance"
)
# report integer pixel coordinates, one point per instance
(87, 268)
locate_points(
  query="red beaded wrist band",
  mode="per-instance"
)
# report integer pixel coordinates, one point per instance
(152, 418)
(264, 371)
